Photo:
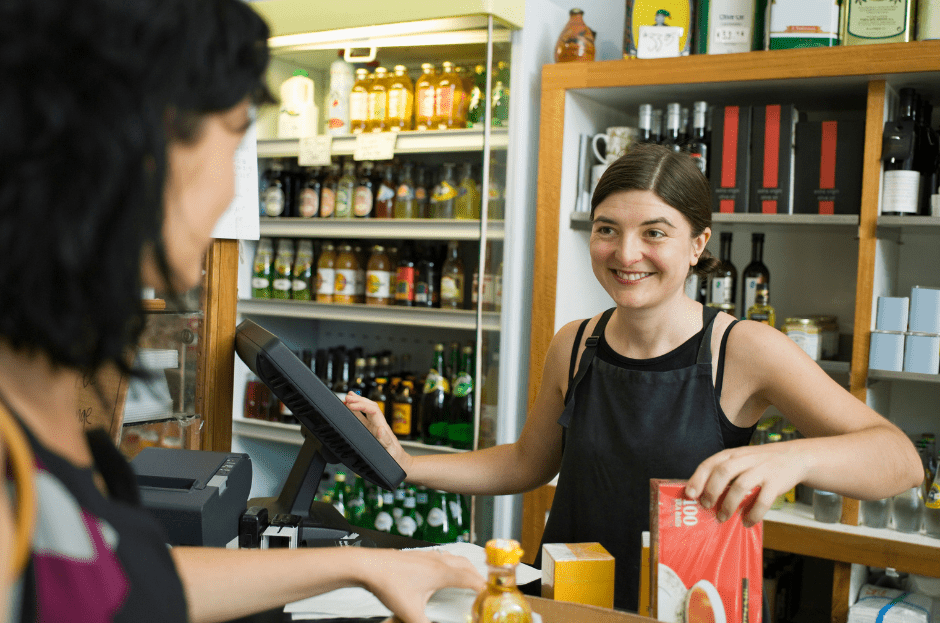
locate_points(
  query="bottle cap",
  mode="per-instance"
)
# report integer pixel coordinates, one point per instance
(502, 552)
(301, 72)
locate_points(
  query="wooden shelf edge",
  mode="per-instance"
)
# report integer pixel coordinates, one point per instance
(916, 377)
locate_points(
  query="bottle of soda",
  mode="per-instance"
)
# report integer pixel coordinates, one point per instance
(437, 525)
(501, 600)
(359, 383)
(406, 204)
(422, 194)
(398, 507)
(460, 520)
(452, 278)
(407, 523)
(385, 195)
(328, 192)
(445, 194)
(434, 401)
(283, 267)
(338, 495)
(460, 429)
(303, 272)
(364, 193)
(379, 396)
(476, 111)
(427, 291)
(384, 521)
(341, 382)
(405, 278)
(403, 420)
(308, 201)
(357, 510)
(262, 276)
(422, 498)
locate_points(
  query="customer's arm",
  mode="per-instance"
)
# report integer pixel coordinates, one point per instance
(222, 584)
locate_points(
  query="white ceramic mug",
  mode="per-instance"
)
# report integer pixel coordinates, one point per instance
(617, 141)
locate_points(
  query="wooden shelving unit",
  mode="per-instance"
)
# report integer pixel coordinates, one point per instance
(382, 228)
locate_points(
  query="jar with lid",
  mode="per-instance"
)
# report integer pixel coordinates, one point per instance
(379, 278)
(326, 274)
(347, 266)
(804, 331)
(829, 335)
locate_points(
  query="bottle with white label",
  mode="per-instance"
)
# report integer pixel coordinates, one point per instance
(726, 26)
(756, 276)
(724, 280)
(379, 278)
(452, 278)
(336, 105)
(345, 191)
(899, 149)
(283, 269)
(261, 287)
(275, 198)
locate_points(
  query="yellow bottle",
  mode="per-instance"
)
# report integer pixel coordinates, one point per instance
(467, 203)
(447, 95)
(501, 601)
(761, 311)
(425, 98)
(378, 101)
(400, 100)
(359, 103)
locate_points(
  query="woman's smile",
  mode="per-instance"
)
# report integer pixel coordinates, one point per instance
(630, 277)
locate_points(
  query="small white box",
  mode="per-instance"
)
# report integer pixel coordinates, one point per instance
(887, 351)
(892, 313)
(922, 353)
(925, 310)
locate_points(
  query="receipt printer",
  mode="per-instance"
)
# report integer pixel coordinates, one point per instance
(197, 496)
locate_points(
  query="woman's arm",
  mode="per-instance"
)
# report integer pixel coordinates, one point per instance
(849, 449)
(223, 584)
(531, 461)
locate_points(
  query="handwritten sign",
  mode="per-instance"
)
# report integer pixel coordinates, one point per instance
(659, 41)
(315, 151)
(375, 146)
(242, 221)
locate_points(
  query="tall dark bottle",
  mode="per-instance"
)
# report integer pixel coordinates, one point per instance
(341, 383)
(928, 155)
(899, 151)
(645, 124)
(672, 137)
(756, 277)
(434, 401)
(460, 429)
(724, 281)
(698, 142)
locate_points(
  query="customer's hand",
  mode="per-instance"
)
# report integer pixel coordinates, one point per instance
(369, 414)
(405, 580)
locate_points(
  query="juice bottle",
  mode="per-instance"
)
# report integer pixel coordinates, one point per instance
(452, 278)
(359, 102)
(442, 200)
(362, 260)
(403, 421)
(462, 103)
(385, 196)
(364, 195)
(476, 108)
(501, 601)
(447, 94)
(405, 279)
(401, 100)
(283, 265)
(308, 202)
(378, 101)
(303, 269)
(422, 196)
(379, 278)
(347, 265)
(261, 287)
(425, 95)
(326, 274)
(345, 191)
(467, 203)
(406, 206)
(328, 192)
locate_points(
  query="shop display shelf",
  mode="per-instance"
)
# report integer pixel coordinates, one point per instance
(387, 315)
(582, 220)
(441, 141)
(793, 529)
(834, 367)
(290, 434)
(891, 227)
(887, 375)
(382, 228)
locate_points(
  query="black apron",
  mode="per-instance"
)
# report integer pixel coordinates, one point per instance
(624, 427)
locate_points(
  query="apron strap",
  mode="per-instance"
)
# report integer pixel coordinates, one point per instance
(705, 346)
(572, 368)
(588, 356)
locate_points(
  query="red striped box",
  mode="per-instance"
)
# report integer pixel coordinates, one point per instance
(773, 134)
(829, 167)
(730, 160)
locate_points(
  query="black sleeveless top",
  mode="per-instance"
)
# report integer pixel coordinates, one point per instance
(627, 421)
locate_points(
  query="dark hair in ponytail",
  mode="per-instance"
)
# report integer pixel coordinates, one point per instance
(673, 177)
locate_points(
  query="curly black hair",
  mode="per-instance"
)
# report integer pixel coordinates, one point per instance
(93, 91)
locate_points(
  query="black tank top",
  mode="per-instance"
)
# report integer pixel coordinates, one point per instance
(625, 424)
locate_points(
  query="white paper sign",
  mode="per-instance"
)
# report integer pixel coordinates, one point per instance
(315, 151)
(659, 41)
(242, 221)
(375, 146)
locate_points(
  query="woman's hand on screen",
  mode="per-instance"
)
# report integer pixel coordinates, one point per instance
(369, 414)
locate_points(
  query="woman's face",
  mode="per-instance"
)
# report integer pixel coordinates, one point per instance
(642, 248)
(200, 186)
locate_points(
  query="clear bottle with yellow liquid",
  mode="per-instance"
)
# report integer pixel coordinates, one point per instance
(463, 102)
(378, 101)
(467, 203)
(425, 98)
(501, 601)
(448, 94)
(359, 103)
(401, 100)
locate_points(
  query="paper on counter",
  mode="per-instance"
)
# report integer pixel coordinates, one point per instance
(449, 605)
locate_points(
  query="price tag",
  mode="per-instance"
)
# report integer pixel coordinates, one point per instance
(375, 146)
(315, 151)
(659, 41)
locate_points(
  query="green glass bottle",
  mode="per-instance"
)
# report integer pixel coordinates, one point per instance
(262, 278)
(338, 495)
(398, 507)
(460, 428)
(434, 400)
(476, 112)
(357, 504)
(407, 524)
(437, 527)
(422, 497)
(384, 522)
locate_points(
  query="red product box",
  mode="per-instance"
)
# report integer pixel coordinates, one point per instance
(702, 571)
(729, 168)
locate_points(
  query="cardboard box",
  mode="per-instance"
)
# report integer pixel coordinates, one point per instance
(829, 178)
(803, 24)
(674, 13)
(773, 134)
(702, 570)
(578, 572)
(730, 160)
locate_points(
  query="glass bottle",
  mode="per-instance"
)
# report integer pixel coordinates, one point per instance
(378, 278)
(275, 195)
(403, 421)
(422, 196)
(576, 41)
(496, 206)
(467, 203)
(362, 260)
(407, 523)
(303, 272)
(326, 274)
(500, 111)
(442, 200)
(379, 396)
(364, 195)
(358, 386)
(405, 279)
(476, 109)
(907, 510)
(262, 274)
(345, 191)
(357, 509)
(378, 101)
(755, 276)
(460, 429)
(434, 401)
(338, 494)
(406, 205)
(761, 311)
(447, 94)
(698, 142)
(283, 266)
(401, 100)
(328, 192)
(347, 264)
(452, 278)
(308, 202)
(359, 103)
(341, 382)
(901, 183)
(932, 505)
(724, 280)
(383, 512)
(645, 124)
(501, 601)
(385, 196)
(427, 293)
(425, 98)
(657, 127)
(437, 522)
(672, 138)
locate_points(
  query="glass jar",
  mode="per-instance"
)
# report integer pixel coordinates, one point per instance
(908, 510)
(875, 513)
(805, 332)
(829, 335)
(827, 506)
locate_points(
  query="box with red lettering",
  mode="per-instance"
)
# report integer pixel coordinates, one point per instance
(702, 570)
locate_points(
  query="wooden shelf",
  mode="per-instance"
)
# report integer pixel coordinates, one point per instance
(793, 529)
(441, 141)
(915, 377)
(582, 220)
(834, 367)
(381, 229)
(388, 315)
